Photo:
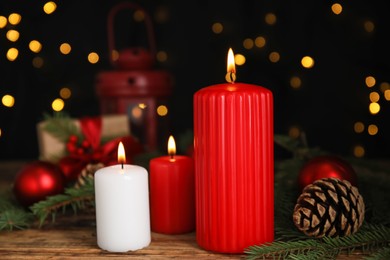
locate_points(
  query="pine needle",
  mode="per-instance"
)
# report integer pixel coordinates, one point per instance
(74, 198)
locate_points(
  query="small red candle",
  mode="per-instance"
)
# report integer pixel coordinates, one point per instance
(233, 153)
(172, 192)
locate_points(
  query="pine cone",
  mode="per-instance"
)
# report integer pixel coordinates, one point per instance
(87, 173)
(329, 207)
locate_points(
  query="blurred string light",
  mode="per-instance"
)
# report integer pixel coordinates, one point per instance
(65, 93)
(359, 151)
(358, 127)
(307, 62)
(37, 62)
(35, 46)
(142, 105)
(274, 56)
(384, 86)
(217, 28)
(374, 96)
(294, 131)
(387, 94)
(239, 59)
(295, 82)
(270, 18)
(58, 104)
(49, 7)
(162, 110)
(370, 81)
(260, 41)
(14, 18)
(3, 22)
(161, 56)
(12, 54)
(12, 35)
(93, 57)
(8, 100)
(139, 16)
(65, 48)
(336, 8)
(248, 43)
(372, 129)
(369, 26)
(374, 108)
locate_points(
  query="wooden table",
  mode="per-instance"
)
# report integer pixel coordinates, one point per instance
(74, 237)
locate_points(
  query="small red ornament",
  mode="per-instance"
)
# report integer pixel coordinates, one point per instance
(37, 180)
(326, 166)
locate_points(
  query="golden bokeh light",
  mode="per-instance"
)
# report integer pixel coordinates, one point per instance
(274, 56)
(359, 151)
(162, 56)
(369, 26)
(372, 129)
(12, 35)
(3, 21)
(37, 62)
(387, 94)
(358, 127)
(139, 16)
(260, 41)
(374, 96)
(8, 100)
(248, 43)
(14, 18)
(239, 59)
(374, 108)
(270, 18)
(65, 93)
(295, 82)
(142, 105)
(217, 28)
(65, 48)
(370, 81)
(294, 132)
(162, 110)
(58, 104)
(49, 7)
(35, 46)
(136, 112)
(93, 57)
(384, 86)
(337, 8)
(12, 54)
(307, 62)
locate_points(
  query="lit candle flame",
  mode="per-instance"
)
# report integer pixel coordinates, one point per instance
(121, 154)
(231, 67)
(171, 146)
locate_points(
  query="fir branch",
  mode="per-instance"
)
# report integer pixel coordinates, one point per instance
(75, 198)
(14, 218)
(381, 254)
(367, 240)
(61, 126)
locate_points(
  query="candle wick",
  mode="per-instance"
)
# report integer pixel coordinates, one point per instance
(232, 76)
(171, 156)
(122, 166)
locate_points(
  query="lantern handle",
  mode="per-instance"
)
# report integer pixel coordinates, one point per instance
(110, 27)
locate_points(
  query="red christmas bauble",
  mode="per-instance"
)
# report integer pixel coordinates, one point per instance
(37, 180)
(326, 166)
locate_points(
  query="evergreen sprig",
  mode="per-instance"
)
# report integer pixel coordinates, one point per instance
(61, 126)
(368, 240)
(74, 198)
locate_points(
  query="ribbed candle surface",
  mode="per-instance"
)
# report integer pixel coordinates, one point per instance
(234, 166)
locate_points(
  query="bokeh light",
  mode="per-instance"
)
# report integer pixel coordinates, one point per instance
(358, 127)
(12, 35)
(239, 59)
(162, 110)
(260, 41)
(37, 62)
(295, 82)
(274, 56)
(217, 28)
(14, 18)
(307, 62)
(8, 100)
(65, 48)
(58, 104)
(374, 108)
(65, 93)
(359, 151)
(35, 46)
(270, 18)
(370, 81)
(3, 21)
(337, 8)
(162, 56)
(49, 7)
(248, 43)
(139, 16)
(93, 57)
(372, 129)
(12, 54)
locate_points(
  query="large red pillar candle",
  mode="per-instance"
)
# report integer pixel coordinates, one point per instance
(172, 193)
(233, 149)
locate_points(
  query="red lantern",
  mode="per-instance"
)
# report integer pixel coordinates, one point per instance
(134, 87)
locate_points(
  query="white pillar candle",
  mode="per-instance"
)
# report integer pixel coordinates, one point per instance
(122, 208)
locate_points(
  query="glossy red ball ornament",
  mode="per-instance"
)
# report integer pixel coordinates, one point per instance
(37, 180)
(326, 166)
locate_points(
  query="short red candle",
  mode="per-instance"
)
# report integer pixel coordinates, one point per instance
(172, 194)
(233, 149)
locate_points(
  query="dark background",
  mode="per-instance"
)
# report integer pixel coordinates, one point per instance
(333, 95)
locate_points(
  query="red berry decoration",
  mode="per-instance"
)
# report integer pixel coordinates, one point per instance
(326, 166)
(37, 180)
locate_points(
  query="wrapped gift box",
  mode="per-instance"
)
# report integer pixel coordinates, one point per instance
(51, 148)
